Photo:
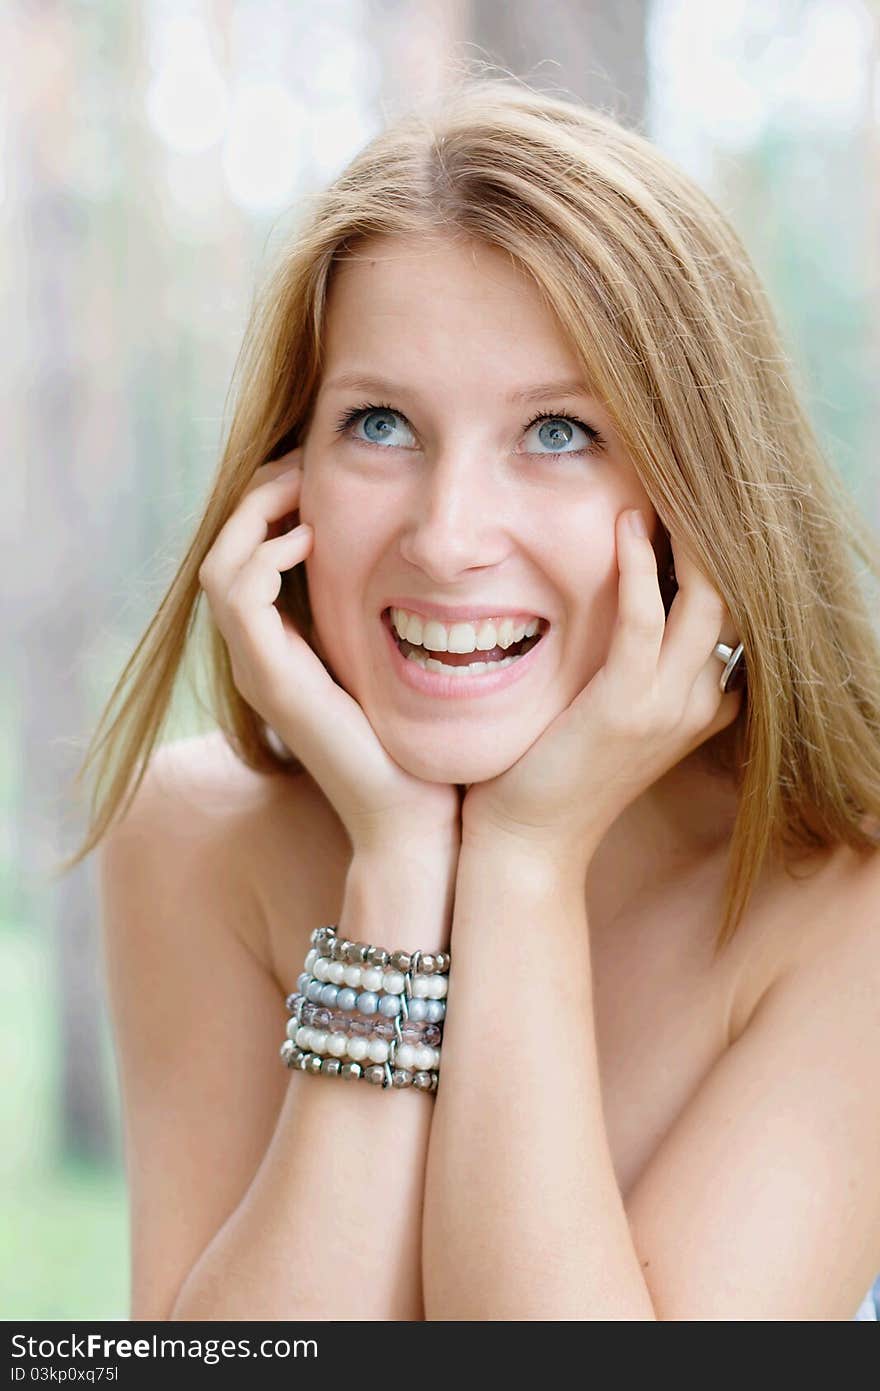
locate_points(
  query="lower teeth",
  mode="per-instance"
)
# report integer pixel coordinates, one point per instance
(471, 669)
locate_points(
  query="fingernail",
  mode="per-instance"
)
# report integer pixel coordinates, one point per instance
(636, 521)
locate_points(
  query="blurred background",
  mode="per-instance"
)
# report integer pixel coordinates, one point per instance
(151, 154)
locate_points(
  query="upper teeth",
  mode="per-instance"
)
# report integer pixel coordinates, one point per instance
(462, 637)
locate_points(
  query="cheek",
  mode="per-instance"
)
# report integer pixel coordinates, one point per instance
(348, 519)
(348, 542)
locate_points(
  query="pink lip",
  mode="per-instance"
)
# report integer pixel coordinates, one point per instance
(453, 613)
(433, 683)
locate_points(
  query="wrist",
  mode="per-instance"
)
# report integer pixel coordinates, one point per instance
(526, 857)
(403, 898)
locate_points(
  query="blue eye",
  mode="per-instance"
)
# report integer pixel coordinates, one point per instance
(558, 432)
(382, 427)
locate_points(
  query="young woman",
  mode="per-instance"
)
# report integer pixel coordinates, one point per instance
(601, 798)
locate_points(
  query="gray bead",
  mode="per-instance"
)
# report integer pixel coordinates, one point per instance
(377, 956)
(368, 1002)
(422, 1080)
(301, 1060)
(427, 964)
(329, 994)
(400, 1077)
(341, 948)
(441, 962)
(389, 1005)
(417, 1008)
(362, 953)
(313, 991)
(400, 960)
(350, 1070)
(346, 998)
(375, 1073)
(332, 1066)
(313, 1063)
(286, 1051)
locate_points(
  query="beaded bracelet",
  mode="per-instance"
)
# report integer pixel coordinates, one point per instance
(346, 978)
(334, 1020)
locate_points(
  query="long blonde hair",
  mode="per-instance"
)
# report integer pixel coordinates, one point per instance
(662, 306)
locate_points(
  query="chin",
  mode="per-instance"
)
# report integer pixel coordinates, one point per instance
(442, 767)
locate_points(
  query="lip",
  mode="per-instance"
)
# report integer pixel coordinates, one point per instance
(457, 613)
(433, 683)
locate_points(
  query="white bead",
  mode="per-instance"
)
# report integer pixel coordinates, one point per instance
(357, 1049)
(319, 970)
(377, 1050)
(311, 958)
(393, 982)
(437, 986)
(420, 987)
(372, 978)
(424, 1056)
(352, 975)
(292, 1028)
(335, 972)
(319, 1040)
(405, 1055)
(337, 1044)
(303, 1036)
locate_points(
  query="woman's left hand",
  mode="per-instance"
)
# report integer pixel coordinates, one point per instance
(655, 700)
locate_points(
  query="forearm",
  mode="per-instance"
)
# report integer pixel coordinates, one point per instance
(523, 1215)
(330, 1226)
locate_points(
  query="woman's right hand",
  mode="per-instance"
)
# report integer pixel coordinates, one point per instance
(285, 682)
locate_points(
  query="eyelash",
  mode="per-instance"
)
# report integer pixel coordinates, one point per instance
(350, 417)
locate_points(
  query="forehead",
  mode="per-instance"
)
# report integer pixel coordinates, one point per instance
(408, 301)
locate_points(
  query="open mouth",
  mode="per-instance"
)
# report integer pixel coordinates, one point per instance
(464, 663)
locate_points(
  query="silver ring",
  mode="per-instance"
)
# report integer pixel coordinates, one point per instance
(731, 656)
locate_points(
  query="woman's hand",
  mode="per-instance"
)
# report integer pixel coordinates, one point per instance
(656, 699)
(278, 674)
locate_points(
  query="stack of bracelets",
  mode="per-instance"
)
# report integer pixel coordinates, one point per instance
(364, 1012)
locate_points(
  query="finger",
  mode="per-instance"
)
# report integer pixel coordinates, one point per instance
(272, 469)
(290, 671)
(631, 663)
(258, 583)
(696, 618)
(248, 526)
(291, 459)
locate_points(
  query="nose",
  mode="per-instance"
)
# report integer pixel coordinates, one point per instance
(458, 519)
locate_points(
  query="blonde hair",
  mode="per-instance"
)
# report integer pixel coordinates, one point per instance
(662, 306)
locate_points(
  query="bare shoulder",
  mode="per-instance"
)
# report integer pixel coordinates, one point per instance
(840, 908)
(275, 835)
(768, 1173)
(824, 909)
(188, 879)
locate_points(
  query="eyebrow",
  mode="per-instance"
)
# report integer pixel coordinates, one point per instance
(353, 381)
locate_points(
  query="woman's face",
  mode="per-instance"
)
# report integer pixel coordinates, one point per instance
(444, 494)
